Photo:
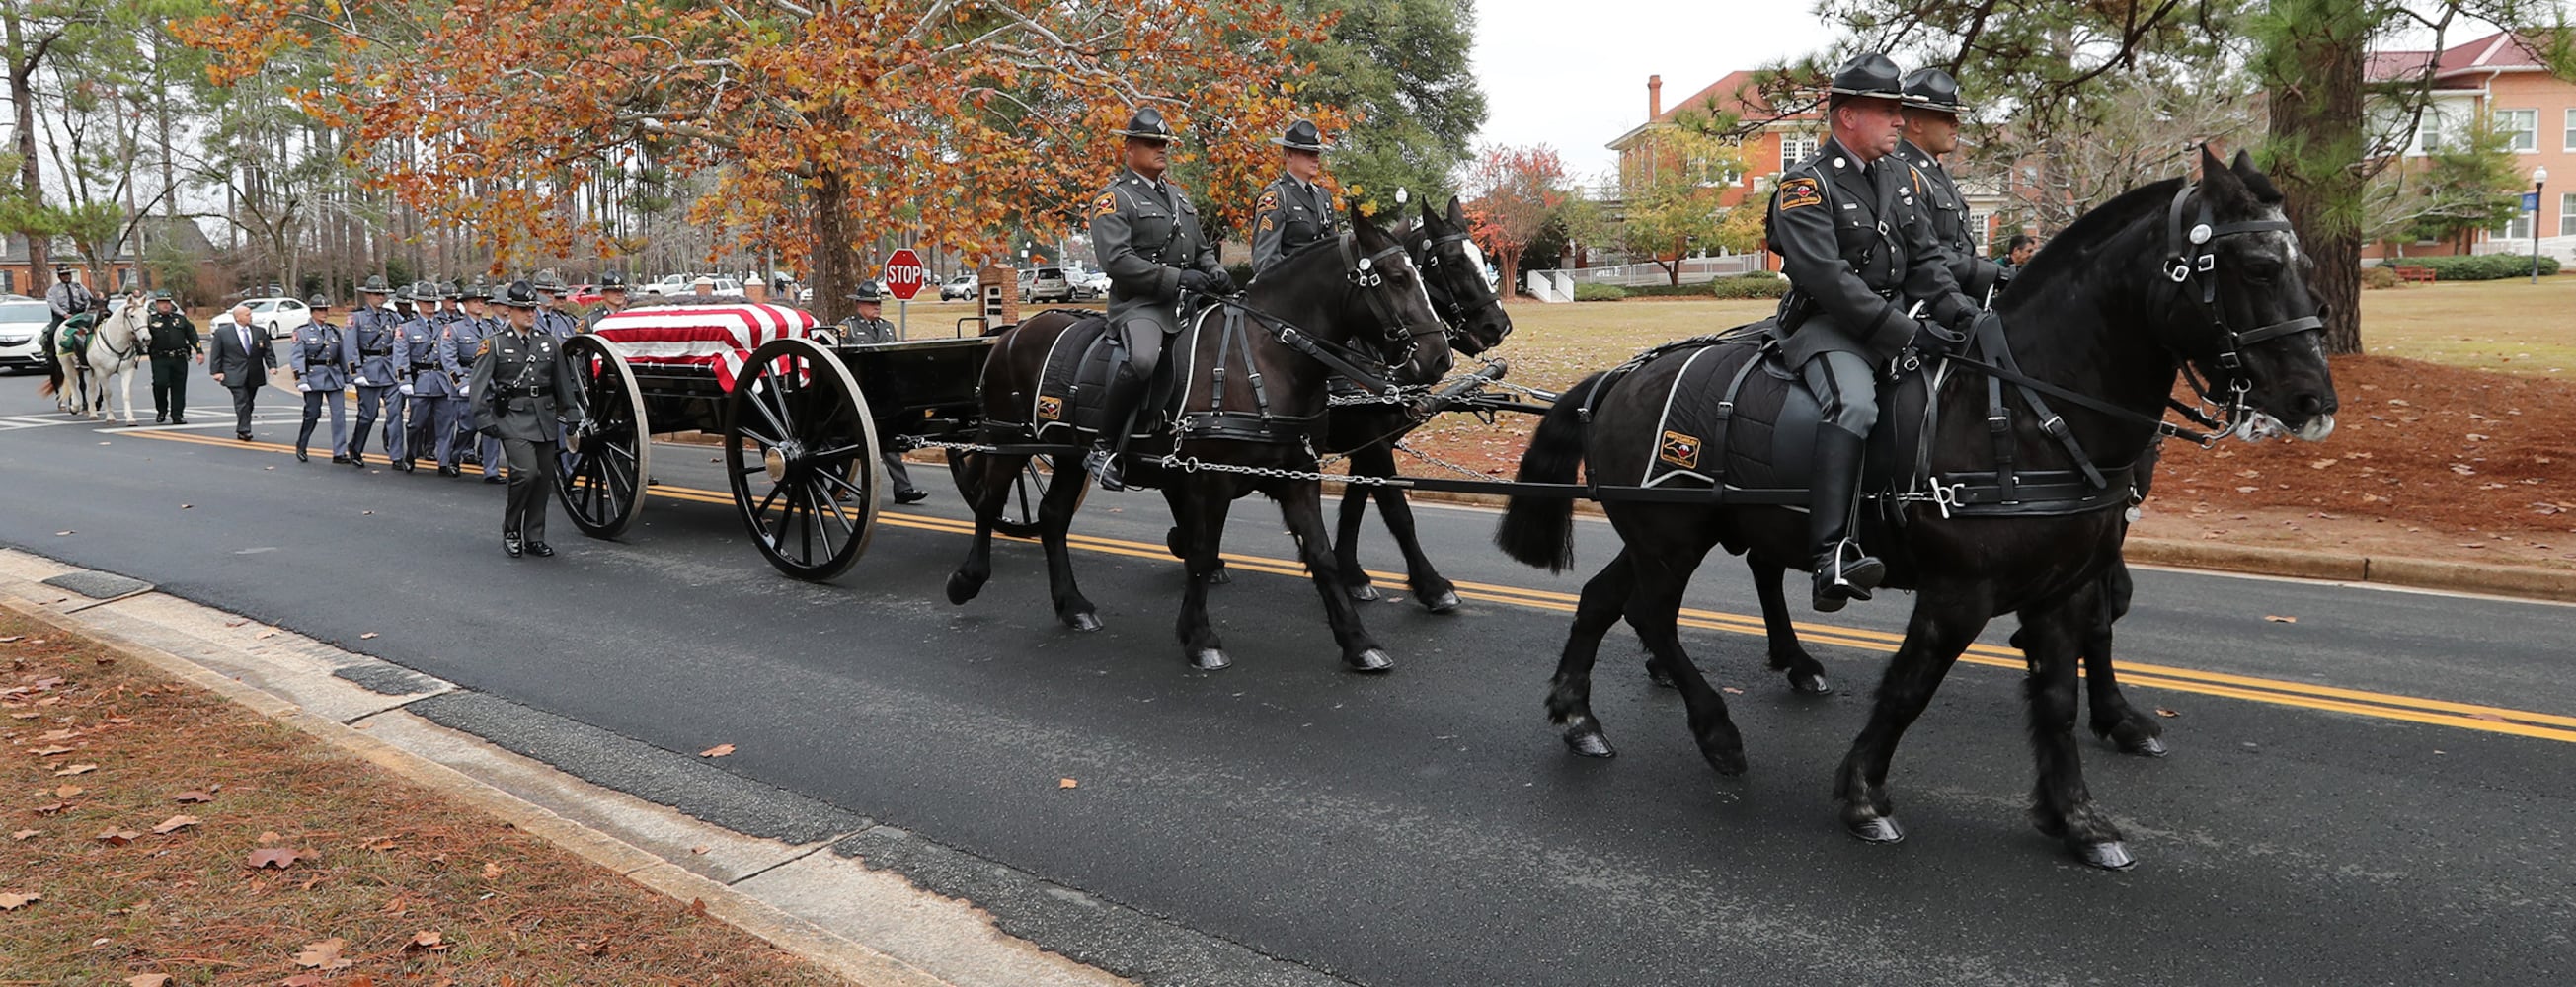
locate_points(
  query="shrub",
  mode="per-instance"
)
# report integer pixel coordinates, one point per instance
(2478, 267)
(2380, 277)
(1242, 272)
(1752, 284)
(1666, 291)
(1599, 293)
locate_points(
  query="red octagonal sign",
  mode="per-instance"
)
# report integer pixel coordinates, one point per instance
(903, 274)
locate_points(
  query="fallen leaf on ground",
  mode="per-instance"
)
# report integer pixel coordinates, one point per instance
(2278, 619)
(147, 980)
(67, 791)
(1730, 690)
(2166, 713)
(427, 939)
(50, 751)
(367, 635)
(270, 837)
(61, 533)
(323, 955)
(117, 837)
(277, 857)
(192, 796)
(12, 639)
(77, 769)
(174, 824)
(25, 833)
(2488, 717)
(47, 810)
(11, 901)
(718, 750)
(301, 979)
(265, 634)
(1067, 783)
(697, 850)
(491, 869)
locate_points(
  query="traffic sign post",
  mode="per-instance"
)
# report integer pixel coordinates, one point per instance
(903, 277)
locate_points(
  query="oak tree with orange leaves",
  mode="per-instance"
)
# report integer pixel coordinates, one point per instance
(1512, 194)
(952, 121)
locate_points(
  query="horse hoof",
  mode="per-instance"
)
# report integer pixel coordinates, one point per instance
(1440, 602)
(1085, 621)
(1728, 763)
(1810, 684)
(1875, 829)
(1589, 743)
(2143, 747)
(1373, 660)
(962, 588)
(1366, 593)
(2110, 855)
(1210, 660)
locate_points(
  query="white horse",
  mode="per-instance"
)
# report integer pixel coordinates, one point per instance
(116, 352)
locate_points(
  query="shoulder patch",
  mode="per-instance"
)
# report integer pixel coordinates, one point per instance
(1269, 223)
(1799, 192)
(482, 348)
(1269, 200)
(1106, 204)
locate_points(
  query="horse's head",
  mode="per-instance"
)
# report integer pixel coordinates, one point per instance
(1408, 331)
(2244, 314)
(1453, 273)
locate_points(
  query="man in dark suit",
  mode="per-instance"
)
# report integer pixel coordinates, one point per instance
(241, 361)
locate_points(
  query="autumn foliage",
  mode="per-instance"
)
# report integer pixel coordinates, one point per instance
(951, 121)
(1512, 194)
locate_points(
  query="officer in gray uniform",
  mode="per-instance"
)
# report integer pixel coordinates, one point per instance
(526, 397)
(1293, 211)
(1932, 112)
(869, 325)
(612, 299)
(424, 385)
(320, 359)
(552, 316)
(1868, 281)
(1146, 234)
(371, 335)
(457, 344)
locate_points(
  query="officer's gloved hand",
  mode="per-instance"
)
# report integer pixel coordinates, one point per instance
(302, 386)
(1932, 341)
(1222, 281)
(1198, 283)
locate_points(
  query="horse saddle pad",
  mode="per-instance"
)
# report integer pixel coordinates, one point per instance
(1734, 413)
(1081, 365)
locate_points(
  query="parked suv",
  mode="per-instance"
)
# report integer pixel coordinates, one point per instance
(1044, 284)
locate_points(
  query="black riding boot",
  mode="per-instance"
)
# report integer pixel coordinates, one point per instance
(1118, 422)
(1843, 571)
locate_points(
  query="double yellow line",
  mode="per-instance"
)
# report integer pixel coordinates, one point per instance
(2387, 706)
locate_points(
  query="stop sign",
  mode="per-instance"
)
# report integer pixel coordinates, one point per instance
(903, 274)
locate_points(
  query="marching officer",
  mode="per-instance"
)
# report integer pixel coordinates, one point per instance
(612, 299)
(554, 314)
(869, 325)
(525, 396)
(371, 350)
(1293, 211)
(1860, 262)
(1932, 111)
(457, 344)
(320, 359)
(172, 340)
(1146, 234)
(425, 386)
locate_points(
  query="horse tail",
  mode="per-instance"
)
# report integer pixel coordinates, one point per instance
(1539, 531)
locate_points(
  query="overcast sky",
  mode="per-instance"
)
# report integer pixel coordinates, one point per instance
(1573, 75)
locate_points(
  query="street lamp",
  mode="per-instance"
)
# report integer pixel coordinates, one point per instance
(2539, 180)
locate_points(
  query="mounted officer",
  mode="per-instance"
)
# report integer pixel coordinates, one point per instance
(171, 340)
(65, 299)
(525, 398)
(424, 384)
(1932, 112)
(1146, 234)
(371, 350)
(1293, 211)
(1861, 264)
(320, 360)
(457, 344)
(867, 324)
(612, 299)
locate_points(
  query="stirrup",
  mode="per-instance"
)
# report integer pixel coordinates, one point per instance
(1102, 463)
(1845, 572)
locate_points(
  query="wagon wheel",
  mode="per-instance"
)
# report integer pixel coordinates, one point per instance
(801, 452)
(602, 485)
(1019, 518)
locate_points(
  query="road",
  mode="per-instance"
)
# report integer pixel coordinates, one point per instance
(2378, 792)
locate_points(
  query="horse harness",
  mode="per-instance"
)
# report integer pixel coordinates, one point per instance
(1236, 321)
(1446, 305)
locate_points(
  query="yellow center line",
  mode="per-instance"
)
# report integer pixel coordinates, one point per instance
(2412, 709)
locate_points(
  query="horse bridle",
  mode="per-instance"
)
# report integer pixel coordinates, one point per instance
(1365, 273)
(1445, 304)
(2192, 261)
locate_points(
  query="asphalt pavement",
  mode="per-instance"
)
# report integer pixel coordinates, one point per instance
(2376, 789)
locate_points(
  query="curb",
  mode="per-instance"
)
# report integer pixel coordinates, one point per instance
(854, 961)
(2519, 582)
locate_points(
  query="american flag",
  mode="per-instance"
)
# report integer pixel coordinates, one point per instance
(719, 337)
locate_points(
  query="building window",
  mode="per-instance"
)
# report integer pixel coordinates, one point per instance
(2567, 214)
(2428, 131)
(2518, 229)
(2521, 129)
(1795, 148)
(2571, 130)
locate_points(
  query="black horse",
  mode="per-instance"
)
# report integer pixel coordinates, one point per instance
(2165, 276)
(1251, 377)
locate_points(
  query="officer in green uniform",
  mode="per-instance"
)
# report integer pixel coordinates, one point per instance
(1293, 211)
(1868, 281)
(1146, 234)
(612, 299)
(172, 340)
(1932, 112)
(525, 395)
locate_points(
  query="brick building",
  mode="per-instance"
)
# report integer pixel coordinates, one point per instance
(2496, 78)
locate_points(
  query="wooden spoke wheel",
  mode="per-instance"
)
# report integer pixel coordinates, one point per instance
(1019, 518)
(602, 484)
(801, 452)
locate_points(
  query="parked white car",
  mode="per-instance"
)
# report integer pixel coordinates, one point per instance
(22, 330)
(281, 316)
(1094, 284)
(959, 287)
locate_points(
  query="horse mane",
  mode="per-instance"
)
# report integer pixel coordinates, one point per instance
(2078, 241)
